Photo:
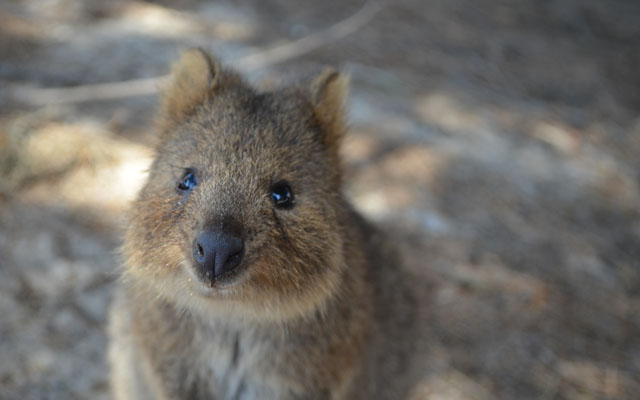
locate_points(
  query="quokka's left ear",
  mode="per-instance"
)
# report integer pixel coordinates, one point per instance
(329, 94)
(193, 78)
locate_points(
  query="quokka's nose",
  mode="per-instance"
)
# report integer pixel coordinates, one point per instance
(216, 252)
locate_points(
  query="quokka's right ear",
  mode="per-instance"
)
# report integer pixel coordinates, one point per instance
(194, 78)
(329, 92)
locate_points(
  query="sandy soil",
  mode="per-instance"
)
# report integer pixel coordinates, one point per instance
(498, 141)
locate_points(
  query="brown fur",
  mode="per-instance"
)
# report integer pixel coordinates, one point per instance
(318, 308)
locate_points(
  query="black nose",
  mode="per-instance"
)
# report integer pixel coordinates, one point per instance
(216, 253)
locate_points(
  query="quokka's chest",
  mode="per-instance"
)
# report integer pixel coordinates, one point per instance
(237, 366)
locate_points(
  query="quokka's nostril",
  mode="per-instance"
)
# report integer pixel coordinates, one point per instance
(217, 252)
(234, 258)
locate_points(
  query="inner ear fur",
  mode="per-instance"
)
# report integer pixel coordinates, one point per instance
(194, 77)
(329, 94)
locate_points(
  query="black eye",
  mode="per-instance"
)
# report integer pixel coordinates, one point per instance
(282, 195)
(188, 181)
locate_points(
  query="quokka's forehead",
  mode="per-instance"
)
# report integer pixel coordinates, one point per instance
(260, 122)
(278, 114)
(267, 149)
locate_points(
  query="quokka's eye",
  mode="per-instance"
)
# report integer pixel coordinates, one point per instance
(188, 181)
(282, 195)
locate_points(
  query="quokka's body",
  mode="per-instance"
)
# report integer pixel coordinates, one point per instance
(247, 274)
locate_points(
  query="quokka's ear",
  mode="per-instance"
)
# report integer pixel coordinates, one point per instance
(329, 94)
(193, 78)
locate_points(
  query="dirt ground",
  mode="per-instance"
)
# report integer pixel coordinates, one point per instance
(498, 141)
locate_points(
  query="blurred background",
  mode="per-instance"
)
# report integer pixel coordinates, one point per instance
(497, 141)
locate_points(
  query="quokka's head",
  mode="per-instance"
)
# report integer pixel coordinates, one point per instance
(242, 208)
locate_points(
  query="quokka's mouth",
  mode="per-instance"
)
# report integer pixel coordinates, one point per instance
(209, 284)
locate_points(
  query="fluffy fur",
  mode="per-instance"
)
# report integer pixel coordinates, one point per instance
(319, 307)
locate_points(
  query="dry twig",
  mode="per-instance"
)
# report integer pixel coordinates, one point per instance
(147, 86)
